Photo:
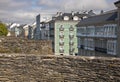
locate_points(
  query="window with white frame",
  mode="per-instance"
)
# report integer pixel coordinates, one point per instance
(81, 30)
(101, 43)
(90, 30)
(110, 29)
(75, 18)
(79, 44)
(66, 18)
(99, 30)
(89, 44)
(111, 47)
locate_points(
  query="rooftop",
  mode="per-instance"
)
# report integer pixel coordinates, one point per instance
(99, 19)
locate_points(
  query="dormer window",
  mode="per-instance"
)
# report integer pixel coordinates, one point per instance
(85, 17)
(75, 18)
(66, 18)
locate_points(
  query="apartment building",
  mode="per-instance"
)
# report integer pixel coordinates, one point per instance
(98, 35)
(63, 32)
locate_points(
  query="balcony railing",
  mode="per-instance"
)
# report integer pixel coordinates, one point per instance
(89, 48)
(71, 49)
(71, 43)
(71, 36)
(71, 29)
(82, 46)
(61, 36)
(103, 50)
(61, 50)
(61, 29)
(61, 43)
(96, 35)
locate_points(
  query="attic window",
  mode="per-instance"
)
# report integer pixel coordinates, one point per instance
(66, 18)
(85, 17)
(75, 18)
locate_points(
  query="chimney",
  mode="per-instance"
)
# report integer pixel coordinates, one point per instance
(60, 14)
(91, 13)
(57, 14)
(72, 13)
(101, 12)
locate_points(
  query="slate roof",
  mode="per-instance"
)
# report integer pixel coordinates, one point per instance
(98, 19)
(117, 2)
(60, 17)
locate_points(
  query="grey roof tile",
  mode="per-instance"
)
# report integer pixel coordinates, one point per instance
(111, 16)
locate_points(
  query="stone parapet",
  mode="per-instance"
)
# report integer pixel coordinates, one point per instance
(24, 68)
(20, 45)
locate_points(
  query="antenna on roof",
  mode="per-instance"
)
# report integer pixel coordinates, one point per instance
(83, 9)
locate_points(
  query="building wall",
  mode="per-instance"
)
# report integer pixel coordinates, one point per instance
(98, 40)
(117, 4)
(65, 47)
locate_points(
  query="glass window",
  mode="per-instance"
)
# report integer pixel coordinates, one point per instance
(61, 28)
(71, 28)
(111, 47)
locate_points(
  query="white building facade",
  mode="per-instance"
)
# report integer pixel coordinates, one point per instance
(97, 35)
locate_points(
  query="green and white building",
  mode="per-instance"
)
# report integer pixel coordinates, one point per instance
(63, 33)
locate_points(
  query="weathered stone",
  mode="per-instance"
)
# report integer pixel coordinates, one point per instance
(31, 68)
(20, 45)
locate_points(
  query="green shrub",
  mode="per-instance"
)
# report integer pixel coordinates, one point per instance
(3, 30)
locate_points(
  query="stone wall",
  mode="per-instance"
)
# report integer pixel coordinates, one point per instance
(20, 45)
(58, 69)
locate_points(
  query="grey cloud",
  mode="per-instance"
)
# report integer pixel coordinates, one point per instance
(69, 5)
(24, 11)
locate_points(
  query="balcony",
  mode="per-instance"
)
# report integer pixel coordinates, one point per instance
(96, 35)
(89, 48)
(61, 43)
(82, 46)
(52, 28)
(61, 50)
(71, 49)
(71, 29)
(71, 35)
(61, 29)
(71, 43)
(61, 36)
(102, 50)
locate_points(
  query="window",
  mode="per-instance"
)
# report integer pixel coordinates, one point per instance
(71, 35)
(71, 49)
(66, 18)
(90, 30)
(71, 28)
(61, 28)
(111, 47)
(110, 30)
(71, 42)
(81, 31)
(89, 44)
(85, 17)
(75, 18)
(61, 43)
(61, 35)
(99, 30)
(61, 50)
(79, 44)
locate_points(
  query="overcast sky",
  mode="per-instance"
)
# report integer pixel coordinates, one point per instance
(24, 11)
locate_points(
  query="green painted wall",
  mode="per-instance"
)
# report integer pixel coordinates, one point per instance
(66, 32)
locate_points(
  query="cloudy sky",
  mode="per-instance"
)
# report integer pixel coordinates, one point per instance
(24, 11)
